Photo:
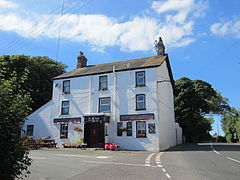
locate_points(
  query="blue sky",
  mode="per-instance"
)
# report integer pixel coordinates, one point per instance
(202, 37)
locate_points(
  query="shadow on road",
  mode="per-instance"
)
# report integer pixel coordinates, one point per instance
(206, 147)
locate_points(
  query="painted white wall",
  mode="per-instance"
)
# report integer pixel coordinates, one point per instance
(167, 133)
(84, 98)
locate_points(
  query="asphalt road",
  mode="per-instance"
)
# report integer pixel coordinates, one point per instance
(188, 161)
(208, 161)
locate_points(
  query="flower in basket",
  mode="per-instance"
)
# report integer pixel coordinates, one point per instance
(78, 129)
(122, 128)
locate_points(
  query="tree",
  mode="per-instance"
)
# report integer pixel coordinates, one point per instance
(194, 99)
(39, 79)
(14, 108)
(231, 125)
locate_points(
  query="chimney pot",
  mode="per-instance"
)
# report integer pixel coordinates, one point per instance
(81, 60)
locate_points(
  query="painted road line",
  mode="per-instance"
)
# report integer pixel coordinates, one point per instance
(33, 157)
(215, 151)
(103, 157)
(168, 176)
(164, 170)
(148, 159)
(233, 159)
(116, 163)
(158, 157)
(159, 165)
(82, 156)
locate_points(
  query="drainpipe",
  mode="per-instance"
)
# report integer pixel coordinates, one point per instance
(90, 97)
(114, 104)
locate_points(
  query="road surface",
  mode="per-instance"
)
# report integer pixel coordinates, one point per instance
(188, 161)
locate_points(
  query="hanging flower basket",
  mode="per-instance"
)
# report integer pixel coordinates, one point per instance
(122, 128)
(78, 129)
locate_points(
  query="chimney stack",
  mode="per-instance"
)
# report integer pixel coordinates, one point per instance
(81, 60)
(159, 46)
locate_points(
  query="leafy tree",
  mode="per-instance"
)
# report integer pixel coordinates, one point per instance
(39, 79)
(14, 107)
(231, 125)
(194, 99)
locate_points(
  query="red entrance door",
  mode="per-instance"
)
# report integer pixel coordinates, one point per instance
(93, 135)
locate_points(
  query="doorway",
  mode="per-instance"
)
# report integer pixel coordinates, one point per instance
(94, 130)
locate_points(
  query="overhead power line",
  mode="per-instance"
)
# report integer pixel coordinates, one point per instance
(20, 41)
(60, 28)
(31, 30)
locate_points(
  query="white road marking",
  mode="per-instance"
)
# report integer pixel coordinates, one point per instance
(33, 157)
(158, 157)
(164, 170)
(82, 156)
(214, 149)
(237, 161)
(148, 159)
(233, 159)
(116, 163)
(102, 157)
(168, 176)
(158, 162)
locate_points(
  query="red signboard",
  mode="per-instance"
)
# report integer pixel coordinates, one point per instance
(137, 117)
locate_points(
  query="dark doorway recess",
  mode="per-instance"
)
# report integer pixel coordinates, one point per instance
(94, 130)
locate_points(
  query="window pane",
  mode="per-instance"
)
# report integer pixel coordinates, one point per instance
(140, 102)
(66, 86)
(65, 110)
(104, 105)
(102, 82)
(119, 131)
(140, 98)
(140, 105)
(105, 101)
(140, 78)
(129, 128)
(65, 107)
(63, 131)
(29, 130)
(151, 128)
(65, 103)
(141, 129)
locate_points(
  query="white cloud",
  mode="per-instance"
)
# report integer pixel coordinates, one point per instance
(231, 27)
(100, 31)
(181, 8)
(6, 4)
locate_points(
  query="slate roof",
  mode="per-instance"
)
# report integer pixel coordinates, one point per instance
(146, 62)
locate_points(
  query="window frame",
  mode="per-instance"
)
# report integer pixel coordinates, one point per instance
(151, 128)
(119, 131)
(144, 79)
(99, 104)
(129, 130)
(144, 101)
(63, 131)
(63, 107)
(29, 132)
(143, 133)
(64, 87)
(101, 82)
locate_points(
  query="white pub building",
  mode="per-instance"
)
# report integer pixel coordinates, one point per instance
(128, 103)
